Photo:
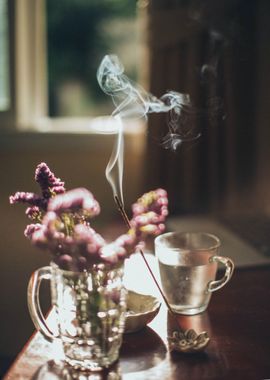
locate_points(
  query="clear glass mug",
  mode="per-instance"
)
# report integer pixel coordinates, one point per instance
(188, 263)
(90, 311)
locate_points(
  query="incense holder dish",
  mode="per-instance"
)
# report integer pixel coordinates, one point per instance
(141, 310)
(188, 341)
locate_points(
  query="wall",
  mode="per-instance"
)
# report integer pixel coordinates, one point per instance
(218, 53)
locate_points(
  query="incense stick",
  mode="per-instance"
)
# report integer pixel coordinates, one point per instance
(182, 340)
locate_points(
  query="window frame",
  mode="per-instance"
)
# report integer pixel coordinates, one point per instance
(30, 63)
(27, 66)
(7, 117)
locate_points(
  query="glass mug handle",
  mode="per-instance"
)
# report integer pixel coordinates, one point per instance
(36, 314)
(215, 285)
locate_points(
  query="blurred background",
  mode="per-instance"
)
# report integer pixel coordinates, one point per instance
(217, 52)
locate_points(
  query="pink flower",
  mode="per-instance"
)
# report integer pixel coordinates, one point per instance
(149, 214)
(112, 254)
(34, 213)
(64, 262)
(48, 182)
(39, 239)
(90, 243)
(155, 201)
(128, 241)
(50, 186)
(77, 200)
(63, 225)
(31, 228)
(26, 197)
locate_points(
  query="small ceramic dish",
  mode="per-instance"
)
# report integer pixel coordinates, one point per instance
(141, 310)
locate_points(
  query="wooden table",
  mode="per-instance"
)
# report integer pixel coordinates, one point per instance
(237, 320)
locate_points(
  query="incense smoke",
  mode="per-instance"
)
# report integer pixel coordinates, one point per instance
(132, 101)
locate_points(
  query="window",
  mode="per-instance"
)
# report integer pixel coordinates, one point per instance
(57, 48)
(79, 34)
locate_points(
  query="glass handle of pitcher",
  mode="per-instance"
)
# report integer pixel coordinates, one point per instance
(229, 265)
(36, 314)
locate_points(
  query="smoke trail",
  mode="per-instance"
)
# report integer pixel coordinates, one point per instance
(127, 97)
(114, 169)
(131, 102)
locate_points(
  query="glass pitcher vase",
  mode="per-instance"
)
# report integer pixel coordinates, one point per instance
(90, 311)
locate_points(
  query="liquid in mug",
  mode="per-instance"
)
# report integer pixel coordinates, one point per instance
(184, 281)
